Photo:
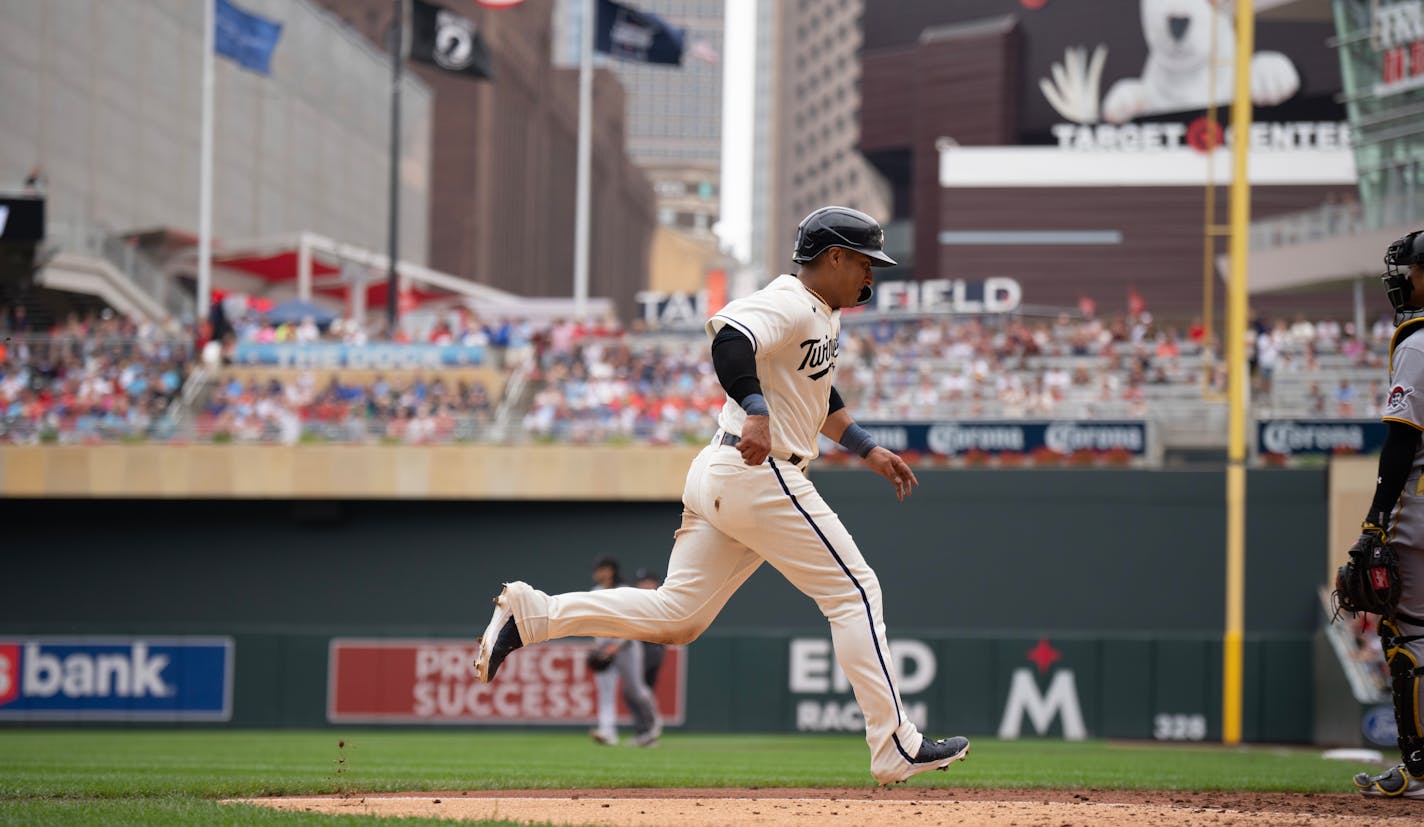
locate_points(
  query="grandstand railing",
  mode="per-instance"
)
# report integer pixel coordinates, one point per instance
(1333, 221)
(515, 401)
(128, 259)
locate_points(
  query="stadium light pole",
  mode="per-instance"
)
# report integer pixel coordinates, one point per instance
(583, 185)
(393, 209)
(1232, 655)
(205, 170)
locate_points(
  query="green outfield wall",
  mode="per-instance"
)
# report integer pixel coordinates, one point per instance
(1065, 603)
(1069, 685)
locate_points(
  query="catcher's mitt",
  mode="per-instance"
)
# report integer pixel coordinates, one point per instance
(1369, 581)
(599, 658)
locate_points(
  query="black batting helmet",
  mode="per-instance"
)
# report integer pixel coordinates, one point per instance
(840, 227)
(1397, 259)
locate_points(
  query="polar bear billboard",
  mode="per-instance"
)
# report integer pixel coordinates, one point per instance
(1177, 75)
(1119, 97)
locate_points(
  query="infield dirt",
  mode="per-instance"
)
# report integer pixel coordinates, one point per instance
(920, 807)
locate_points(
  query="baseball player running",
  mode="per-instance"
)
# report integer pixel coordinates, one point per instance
(1385, 572)
(747, 498)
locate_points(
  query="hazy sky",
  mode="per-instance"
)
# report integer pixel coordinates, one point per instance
(738, 102)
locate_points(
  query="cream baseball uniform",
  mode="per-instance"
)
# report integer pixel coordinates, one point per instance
(736, 516)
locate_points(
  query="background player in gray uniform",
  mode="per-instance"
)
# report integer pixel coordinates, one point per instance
(652, 652)
(747, 499)
(622, 662)
(1396, 520)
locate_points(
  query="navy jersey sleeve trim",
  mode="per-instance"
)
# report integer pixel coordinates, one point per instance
(743, 328)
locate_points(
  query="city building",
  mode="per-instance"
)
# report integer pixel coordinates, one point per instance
(674, 132)
(503, 163)
(1021, 141)
(101, 103)
(1342, 242)
(816, 116)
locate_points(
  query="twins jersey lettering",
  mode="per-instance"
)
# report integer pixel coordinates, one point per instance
(796, 337)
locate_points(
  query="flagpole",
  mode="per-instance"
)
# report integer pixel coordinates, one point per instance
(392, 251)
(205, 170)
(585, 130)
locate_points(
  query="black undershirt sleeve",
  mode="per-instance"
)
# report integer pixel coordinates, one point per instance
(836, 402)
(735, 363)
(1396, 458)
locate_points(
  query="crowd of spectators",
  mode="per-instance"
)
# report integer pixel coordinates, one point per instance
(601, 388)
(254, 322)
(103, 377)
(95, 377)
(662, 389)
(418, 409)
(414, 410)
(973, 368)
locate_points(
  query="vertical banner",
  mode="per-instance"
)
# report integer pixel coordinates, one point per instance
(716, 291)
(445, 39)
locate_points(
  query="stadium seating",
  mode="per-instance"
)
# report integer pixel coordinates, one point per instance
(108, 379)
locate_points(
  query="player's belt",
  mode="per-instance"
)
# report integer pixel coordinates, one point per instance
(732, 439)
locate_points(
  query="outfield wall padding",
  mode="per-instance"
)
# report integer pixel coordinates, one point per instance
(1140, 687)
(1120, 571)
(1031, 551)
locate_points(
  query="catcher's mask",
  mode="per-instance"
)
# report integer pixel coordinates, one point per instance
(1397, 260)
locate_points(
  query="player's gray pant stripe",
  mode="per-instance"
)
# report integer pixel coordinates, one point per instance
(869, 615)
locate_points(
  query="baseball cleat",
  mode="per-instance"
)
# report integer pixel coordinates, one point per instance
(1392, 783)
(940, 754)
(603, 738)
(500, 638)
(649, 738)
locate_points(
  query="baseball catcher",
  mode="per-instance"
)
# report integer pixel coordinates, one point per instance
(1385, 571)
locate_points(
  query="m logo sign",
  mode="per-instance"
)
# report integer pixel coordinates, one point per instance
(1060, 701)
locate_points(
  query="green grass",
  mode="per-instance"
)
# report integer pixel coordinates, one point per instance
(146, 777)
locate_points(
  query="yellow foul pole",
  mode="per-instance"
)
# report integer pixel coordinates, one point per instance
(1231, 672)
